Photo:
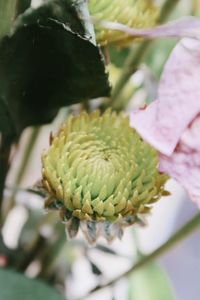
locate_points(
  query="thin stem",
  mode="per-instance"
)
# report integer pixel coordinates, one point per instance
(166, 10)
(29, 148)
(31, 255)
(9, 10)
(39, 245)
(7, 15)
(22, 5)
(196, 7)
(5, 148)
(136, 55)
(27, 152)
(181, 234)
(131, 65)
(49, 257)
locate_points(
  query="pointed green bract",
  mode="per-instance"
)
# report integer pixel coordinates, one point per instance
(101, 170)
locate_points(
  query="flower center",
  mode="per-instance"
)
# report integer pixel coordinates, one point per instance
(100, 169)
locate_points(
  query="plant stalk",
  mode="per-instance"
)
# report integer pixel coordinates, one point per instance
(136, 55)
(5, 148)
(181, 234)
(7, 15)
(9, 10)
(27, 152)
(50, 257)
(22, 5)
(32, 254)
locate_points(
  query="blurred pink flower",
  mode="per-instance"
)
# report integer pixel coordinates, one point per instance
(172, 122)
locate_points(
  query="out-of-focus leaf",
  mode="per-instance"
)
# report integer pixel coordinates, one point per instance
(48, 62)
(155, 59)
(16, 286)
(150, 283)
(118, 55)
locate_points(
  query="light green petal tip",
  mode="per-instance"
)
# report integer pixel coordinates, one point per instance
(100, 169)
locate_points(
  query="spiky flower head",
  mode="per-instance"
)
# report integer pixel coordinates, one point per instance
(133, 13)
(100, 174)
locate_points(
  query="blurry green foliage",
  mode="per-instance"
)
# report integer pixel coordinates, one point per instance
(157, 55)
(14, 286)
(149, 283)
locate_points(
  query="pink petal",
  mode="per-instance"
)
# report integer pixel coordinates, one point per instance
(163, 122)
(184, 164)
(183, 27)
(191, 136)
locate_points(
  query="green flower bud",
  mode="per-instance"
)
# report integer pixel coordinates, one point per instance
(100, 173)
(133, 13)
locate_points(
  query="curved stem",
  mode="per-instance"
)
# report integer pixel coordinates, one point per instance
(181, 234)
(131, 65)
(48, 260)
(21, 6)
(196, 8)
(7, 15)
(29, 257)
(27, 152)
(9, 10)
(136, 55)
(167, 9)
(5, 148)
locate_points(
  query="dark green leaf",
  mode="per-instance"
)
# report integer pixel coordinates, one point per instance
(63, 11)
(49, 62)
(16, 286)
(118, 56)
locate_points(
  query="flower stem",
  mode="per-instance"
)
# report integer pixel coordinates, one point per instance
(26, 155)
(49, 258)
(22, 5)
(136, 55)
(9, 10)
(181, 234)
(5, 148)
(7, 15)
(196, 8)
(30, 256)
